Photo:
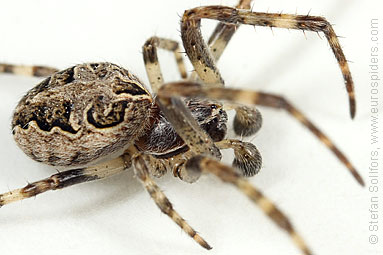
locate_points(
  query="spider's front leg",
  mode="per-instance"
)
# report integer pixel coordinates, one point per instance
(188, 89)
(221, 36)
(37, 71)
(204, 63)
(205, 160)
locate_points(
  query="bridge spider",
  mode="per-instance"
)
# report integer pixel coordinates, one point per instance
(115, 103)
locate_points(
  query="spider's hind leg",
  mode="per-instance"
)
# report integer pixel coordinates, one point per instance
(152, 64)
(37, 71)
(67, 178)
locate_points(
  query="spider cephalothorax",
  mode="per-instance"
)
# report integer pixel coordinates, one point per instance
(163, 141)
(98, 119)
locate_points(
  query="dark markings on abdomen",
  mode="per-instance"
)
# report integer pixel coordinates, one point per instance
(46, 117)
(114, 117)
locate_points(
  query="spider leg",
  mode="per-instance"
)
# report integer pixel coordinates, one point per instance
(163, 202)
(217, 42)
(37, 71)
(204, 63)
(202, 145)
(67, 178)
(158, 167)
(187, 89)
(221, 36)
(152, 65)
(227, 174)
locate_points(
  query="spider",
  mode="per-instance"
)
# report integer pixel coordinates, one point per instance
(109, 114)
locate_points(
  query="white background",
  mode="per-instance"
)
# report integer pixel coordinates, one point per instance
(116, 216)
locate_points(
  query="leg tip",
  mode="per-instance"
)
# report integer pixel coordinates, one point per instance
(352, 108)
(360, 180)
(202, 242)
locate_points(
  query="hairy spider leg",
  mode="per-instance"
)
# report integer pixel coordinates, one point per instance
(152, 65)
(204, 63)
(188, 89)
(37, 71)
(67, 178)
(205, 160)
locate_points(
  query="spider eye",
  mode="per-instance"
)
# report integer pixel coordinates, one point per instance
(213, 106)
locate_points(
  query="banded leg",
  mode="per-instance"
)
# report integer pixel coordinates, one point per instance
(152, 65)
(157, 167)
(228, 175)
(200, 144)
(162, 201)
(187, 89)
(204, 63)
(224, 31)
(67, 178)
(37, 71)
(221, 36)
(247, 158)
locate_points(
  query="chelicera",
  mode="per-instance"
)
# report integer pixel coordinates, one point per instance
(95, 120)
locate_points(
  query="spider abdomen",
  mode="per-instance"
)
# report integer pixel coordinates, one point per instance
(82, 114)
